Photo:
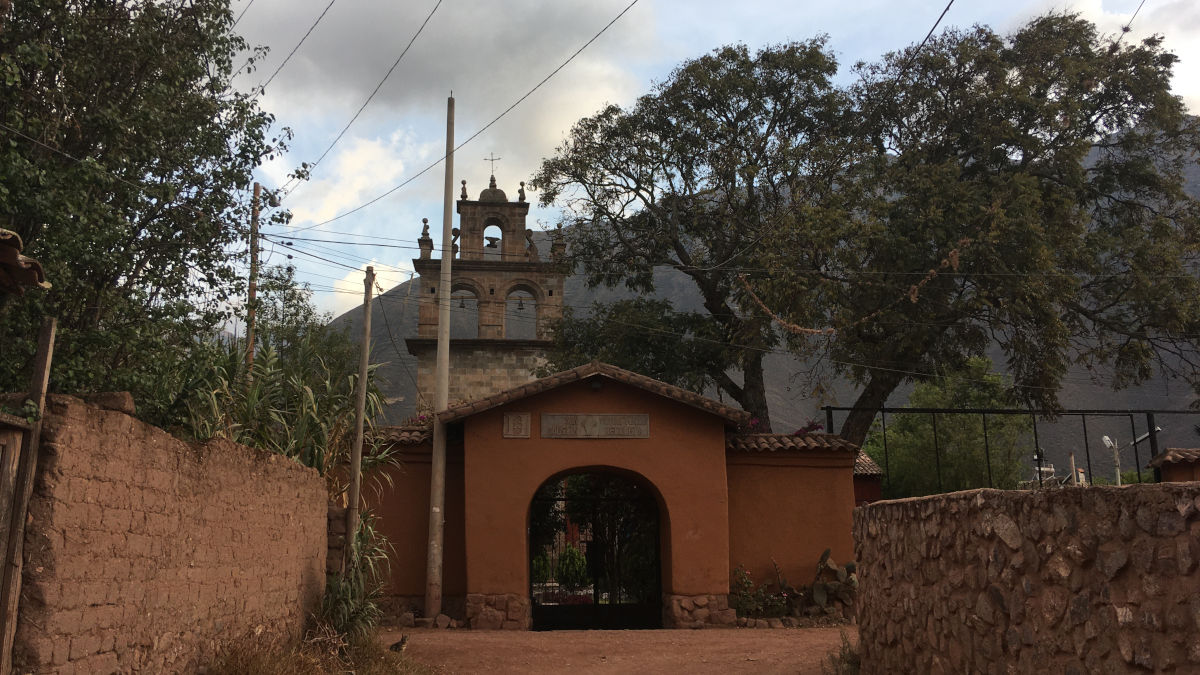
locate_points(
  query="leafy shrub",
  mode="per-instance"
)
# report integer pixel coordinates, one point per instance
(541, 568)
(351, 602)
(571, 572)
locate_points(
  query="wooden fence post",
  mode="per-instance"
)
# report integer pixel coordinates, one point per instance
(10, 586)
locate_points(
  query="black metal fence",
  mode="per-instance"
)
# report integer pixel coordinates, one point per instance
(1143, 446)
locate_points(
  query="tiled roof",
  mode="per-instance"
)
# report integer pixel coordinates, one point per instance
(411, 435)
(775, 442)
(593, 370)
(865, 466)
(17, 272)
(1173, 455)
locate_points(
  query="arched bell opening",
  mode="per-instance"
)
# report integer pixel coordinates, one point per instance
(520, 314)
(595, 551)
(464, 314)
(493, 239)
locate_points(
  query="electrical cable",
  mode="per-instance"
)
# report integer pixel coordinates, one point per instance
(362, 107)
(260, 88)
(477, 133)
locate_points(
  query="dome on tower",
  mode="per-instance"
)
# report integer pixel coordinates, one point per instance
(493, 193)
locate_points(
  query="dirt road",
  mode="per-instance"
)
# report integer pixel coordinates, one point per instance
(720, 651)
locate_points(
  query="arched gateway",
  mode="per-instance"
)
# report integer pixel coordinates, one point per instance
(564, 444)
(595, 555)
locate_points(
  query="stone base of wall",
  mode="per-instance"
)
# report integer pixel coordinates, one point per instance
(697, 611)
(1078, 580)
(507, 611)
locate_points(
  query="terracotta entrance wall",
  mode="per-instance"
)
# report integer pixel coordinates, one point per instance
(789, 507)
(402, 509)
(684, 460)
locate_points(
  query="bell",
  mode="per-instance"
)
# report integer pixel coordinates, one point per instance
(462, 303)
(520, 303)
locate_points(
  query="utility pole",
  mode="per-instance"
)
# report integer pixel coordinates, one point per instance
(437, 470)
(360, 405)
(253, 292)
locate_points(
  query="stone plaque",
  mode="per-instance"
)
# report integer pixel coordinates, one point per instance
(579, 425)
(516, 425)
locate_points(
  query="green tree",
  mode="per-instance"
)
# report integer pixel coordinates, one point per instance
(1024, 191)
(962, 458)
(125, 163)
(686, 179)
(677, 350)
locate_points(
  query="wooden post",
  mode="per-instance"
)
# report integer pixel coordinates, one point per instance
(252, 292)
(360, 405)
(10, 586)
(437, 469)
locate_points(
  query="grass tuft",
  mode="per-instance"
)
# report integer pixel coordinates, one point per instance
(322, 652)
(843, 661)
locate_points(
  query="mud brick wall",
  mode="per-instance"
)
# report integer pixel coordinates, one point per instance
(147, 554)
(1076, 580)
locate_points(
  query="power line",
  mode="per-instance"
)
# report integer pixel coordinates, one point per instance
(373, 92)
(239, 18)
(259, 89)
(477, 133)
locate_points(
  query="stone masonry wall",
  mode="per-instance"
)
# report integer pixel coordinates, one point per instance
(697, 611)
(1075, 580)
(146, 554)
(477, 372)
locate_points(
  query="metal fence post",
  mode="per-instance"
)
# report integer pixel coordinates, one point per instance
(1133, 442)
(886, 470)
(1153, 431)
(1087, 451)
(937, 455)
(1037, 448)
(987, 451)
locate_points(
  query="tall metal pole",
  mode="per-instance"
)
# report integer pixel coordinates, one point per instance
(252, 295)
(437, 470)
(360, 406)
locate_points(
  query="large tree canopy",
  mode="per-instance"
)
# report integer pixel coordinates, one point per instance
(688, 178)
(124, 164)
(1023, 191)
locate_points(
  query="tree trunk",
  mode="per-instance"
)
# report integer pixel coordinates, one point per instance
(868, 403)
(754, 391)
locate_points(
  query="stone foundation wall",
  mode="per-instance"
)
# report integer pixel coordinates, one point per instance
(507, 611)
(697, 611)
(1076, 580)
(147, 554)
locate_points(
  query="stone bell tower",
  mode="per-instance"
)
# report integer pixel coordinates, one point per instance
(515, 296)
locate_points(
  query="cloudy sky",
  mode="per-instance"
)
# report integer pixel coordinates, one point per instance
(490, 54)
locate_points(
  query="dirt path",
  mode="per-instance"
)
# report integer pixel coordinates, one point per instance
(720, 651)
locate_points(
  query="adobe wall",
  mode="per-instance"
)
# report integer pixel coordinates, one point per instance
(683, 459)
(145, 553)
(789, 507)
(1075, 580)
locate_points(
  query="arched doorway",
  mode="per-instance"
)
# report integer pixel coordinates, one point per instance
(594, 552)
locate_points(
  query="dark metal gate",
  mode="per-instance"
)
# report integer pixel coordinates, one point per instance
(594, 554)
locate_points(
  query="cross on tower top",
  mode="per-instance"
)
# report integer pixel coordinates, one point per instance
(493, 159)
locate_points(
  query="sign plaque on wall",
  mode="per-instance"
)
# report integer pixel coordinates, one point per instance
(516, 425)
(581, 425)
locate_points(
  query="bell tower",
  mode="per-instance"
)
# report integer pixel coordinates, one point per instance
(515, 297)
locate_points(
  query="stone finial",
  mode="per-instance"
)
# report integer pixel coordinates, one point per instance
(492, 182)
(463, 197)
(558, 244)
(425, 242)
(521, 192)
